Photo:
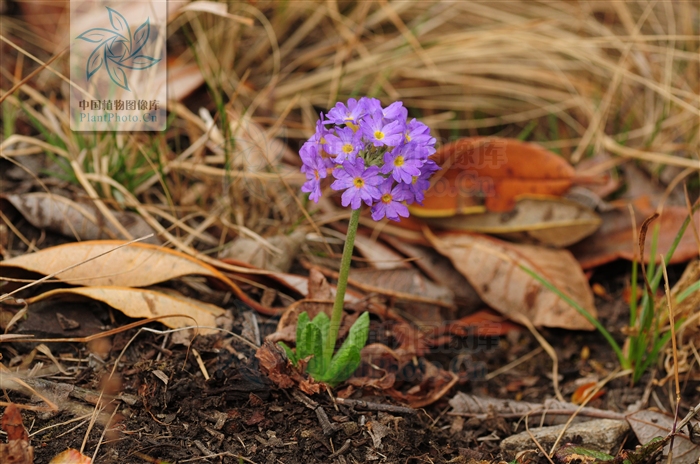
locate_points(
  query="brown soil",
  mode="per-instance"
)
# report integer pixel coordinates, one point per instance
(239, 416)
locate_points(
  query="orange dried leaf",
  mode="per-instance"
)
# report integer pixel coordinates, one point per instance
(497, 170)
(581, 394)
(11, 424)
(70, 456)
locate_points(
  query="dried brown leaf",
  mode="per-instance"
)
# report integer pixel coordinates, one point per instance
(492, 267)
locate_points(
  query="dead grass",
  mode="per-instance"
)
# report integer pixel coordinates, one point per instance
(586, 77)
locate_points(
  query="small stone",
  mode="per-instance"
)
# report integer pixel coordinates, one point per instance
(605, 435)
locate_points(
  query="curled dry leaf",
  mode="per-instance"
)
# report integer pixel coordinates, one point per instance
(274, 364)
(142, 303)
(493, 268)
(497, 170)
(79, 220)
(542, 220)
(434, 383)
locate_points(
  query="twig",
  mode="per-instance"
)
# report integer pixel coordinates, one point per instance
(328, 428)
(375, 406)
(601, 414)
(342, 449)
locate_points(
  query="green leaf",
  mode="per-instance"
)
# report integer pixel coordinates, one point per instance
(358, 332)
(323, 322)
(290, 354)
(302, 321)
(344, 364)
(312, 341)
(346, 361)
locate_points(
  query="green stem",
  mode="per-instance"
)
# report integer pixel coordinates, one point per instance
(337, 315)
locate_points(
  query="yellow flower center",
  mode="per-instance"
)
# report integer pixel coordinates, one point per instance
(414, 179)
(387, 197)
(359, 182)
(408, 137)
(352, 126)
(322, 141)
(316, 175)
(347, 148)
(398, 161)
(378, 135)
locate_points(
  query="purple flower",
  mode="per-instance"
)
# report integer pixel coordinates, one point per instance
(344, 145)
(419, 133)
(396, 111)
(404, 162)
(381, 133)
(315, 168)
(319, 137)
(389, 204)
(369, 146)
(415, 190)
(350, 114)
(360, 184)
(393, 112)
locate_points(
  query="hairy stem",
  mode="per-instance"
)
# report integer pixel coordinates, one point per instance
(337, 315)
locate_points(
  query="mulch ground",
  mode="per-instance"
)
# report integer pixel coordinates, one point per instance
(168, 412)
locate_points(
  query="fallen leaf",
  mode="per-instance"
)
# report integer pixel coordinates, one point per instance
(143, 303)
(17, 449)
(648, 424)
(614, 240)
(274, 364)
(384, 382)
(427, 302)
(133, 265)
(11, 424)
(490, 173)
(543, 220)
(581, 394)
(438, 268)
(482, 324)
(272, 253)
(493, 268)
(82, 221)
(434, 383)
(378, 255)
(70, 456)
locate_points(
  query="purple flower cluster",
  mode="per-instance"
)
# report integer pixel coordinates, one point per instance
(376, 156)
